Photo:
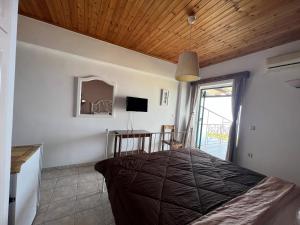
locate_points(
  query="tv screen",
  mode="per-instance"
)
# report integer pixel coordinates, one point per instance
(136, 104)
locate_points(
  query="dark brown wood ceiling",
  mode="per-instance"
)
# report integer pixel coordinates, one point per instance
(224, 29)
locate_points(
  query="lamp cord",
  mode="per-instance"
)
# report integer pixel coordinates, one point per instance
(191, 36)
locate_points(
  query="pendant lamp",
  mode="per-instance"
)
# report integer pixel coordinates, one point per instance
(188, 64)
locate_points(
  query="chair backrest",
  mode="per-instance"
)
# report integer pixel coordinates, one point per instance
(168, 129)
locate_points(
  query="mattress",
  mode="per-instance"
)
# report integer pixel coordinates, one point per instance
(171, 187)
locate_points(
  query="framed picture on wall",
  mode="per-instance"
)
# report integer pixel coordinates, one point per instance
(164, 97)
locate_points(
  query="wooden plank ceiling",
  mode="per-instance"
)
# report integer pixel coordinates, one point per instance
(224, 29)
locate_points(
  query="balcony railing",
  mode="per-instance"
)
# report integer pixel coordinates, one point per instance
(212, 135)
(215, 133)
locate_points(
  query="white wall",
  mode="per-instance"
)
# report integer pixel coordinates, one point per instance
(274, 108)
(53, 37)
(44, 96)
(8, 29)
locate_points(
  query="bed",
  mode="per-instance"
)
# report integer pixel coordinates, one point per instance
(175, 187)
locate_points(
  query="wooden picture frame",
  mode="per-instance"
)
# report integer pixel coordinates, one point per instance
(164, 97)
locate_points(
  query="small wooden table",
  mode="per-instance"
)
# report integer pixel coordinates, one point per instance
(140, 134)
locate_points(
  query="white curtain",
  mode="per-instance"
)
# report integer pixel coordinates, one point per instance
(189, 135)
(238, 89)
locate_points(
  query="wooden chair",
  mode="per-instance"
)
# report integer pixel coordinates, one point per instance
(168, 137)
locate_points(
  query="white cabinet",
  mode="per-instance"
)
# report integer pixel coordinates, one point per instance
(24, 184)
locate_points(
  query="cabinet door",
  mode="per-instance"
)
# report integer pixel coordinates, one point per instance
(27, 191)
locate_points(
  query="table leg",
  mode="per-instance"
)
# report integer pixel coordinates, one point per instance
(120, 144)
(139, 144)
(115, 147)
(143, 144)
(150, 143)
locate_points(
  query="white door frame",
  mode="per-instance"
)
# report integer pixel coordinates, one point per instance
(8, 28)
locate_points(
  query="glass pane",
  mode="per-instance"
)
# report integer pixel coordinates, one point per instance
(214, 121)
(218, 92)
(96, 98)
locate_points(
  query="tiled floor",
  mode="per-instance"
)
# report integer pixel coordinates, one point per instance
(73, 196)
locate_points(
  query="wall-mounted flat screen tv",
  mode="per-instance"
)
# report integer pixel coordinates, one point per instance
(136, 104)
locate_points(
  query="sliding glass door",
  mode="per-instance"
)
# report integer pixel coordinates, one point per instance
(214, 118)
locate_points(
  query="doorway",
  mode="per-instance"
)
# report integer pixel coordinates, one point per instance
(214, 118)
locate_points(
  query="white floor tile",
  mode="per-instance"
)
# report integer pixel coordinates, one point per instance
(73, 196)
(68, 220)
(64, 192)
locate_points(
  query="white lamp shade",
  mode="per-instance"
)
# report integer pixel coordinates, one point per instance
(188, 67)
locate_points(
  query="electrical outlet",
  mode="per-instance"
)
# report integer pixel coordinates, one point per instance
(250, 155)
